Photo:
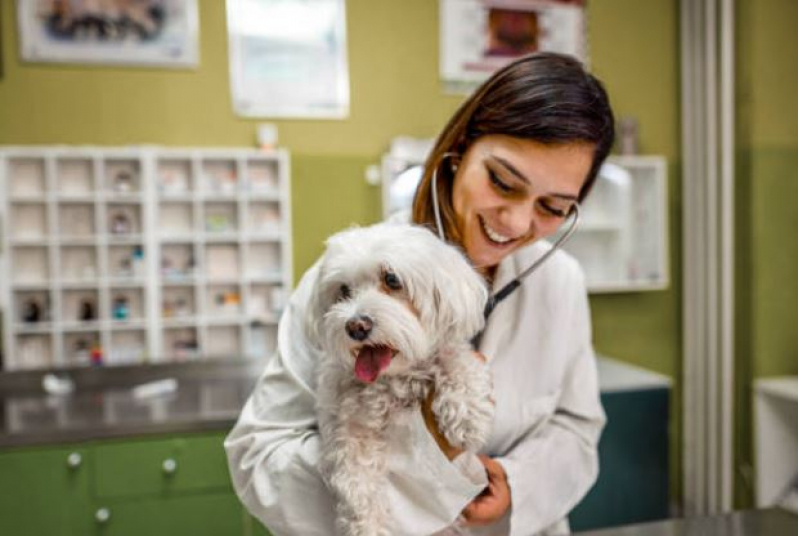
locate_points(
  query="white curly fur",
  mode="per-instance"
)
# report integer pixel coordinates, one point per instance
(427, 323)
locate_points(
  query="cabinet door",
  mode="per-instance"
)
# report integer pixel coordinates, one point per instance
(43, 491)
(127, 469)
(192, 515)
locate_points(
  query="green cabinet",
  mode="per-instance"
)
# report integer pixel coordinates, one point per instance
(44, 491)
(163, 486)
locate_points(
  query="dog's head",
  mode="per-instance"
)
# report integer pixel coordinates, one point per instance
(388, 296)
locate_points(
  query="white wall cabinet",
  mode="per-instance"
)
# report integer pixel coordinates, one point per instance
(142, 255)
(622, 239)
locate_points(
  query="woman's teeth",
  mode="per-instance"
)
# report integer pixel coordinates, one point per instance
(493, 235)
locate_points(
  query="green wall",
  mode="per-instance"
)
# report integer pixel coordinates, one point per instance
(767, 251)
(393, 60)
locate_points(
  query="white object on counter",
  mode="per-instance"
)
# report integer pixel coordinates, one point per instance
(57, 385)
(155, 388)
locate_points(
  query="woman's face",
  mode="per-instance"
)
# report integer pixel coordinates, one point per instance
(509, 192)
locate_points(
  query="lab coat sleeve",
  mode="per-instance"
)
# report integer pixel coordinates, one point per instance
(274, 449)
(556, 463)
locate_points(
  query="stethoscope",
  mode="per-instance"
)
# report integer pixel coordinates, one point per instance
(510, 287)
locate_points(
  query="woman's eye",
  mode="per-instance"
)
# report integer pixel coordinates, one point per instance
(498, 183)
(392, 281)
(555, 211)
(344, 292)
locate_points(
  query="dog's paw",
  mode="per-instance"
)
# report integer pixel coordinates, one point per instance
(464, 407)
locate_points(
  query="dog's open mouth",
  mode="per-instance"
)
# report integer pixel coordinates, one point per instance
(371, 361)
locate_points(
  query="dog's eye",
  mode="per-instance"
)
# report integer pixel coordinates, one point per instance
(344, 292)
(392, 281)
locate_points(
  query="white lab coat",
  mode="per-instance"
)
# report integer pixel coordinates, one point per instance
(547, 425)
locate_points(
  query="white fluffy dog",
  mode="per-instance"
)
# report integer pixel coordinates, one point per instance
(394, 310)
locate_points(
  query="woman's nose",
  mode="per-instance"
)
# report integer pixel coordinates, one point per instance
(518, 219)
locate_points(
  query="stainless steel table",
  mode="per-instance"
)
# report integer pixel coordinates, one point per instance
(771, 522)
(209, 397)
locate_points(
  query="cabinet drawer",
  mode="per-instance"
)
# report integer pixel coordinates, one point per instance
(161, 466)
(211, 514)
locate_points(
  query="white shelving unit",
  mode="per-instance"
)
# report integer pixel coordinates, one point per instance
(142, 255)
(622, 239)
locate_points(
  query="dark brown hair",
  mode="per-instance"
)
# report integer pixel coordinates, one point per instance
(545, 97)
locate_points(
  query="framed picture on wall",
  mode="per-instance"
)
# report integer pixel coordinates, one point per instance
(288, 58)
(158, 33)
(478, 37)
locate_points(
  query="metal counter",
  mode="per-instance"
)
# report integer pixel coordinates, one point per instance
(209, 396)
(772, 522)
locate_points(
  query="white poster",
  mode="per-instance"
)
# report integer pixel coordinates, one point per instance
(288, 58)
(480, 36)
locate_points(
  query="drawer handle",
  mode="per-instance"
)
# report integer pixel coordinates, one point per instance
(74, 460)
(169, 466)
(102, 515)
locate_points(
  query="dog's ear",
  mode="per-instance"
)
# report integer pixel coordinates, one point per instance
(459, 295)
(316, 306)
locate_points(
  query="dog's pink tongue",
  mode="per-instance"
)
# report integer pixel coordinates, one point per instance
(371, 361)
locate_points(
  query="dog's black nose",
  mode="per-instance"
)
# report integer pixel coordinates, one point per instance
(359, 327)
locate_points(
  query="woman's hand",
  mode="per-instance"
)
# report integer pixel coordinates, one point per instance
(494, 501)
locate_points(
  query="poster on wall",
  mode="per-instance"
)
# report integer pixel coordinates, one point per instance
(158, 33)
(478, 37)
(288, 58)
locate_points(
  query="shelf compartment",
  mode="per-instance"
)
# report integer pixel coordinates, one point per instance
(177, 303)
(78, 264)
(262, 177)
(74, 176)
(219, 176)
(122, 177)
(29, 265)
(174, 177)
(80, 306)
(222, 261)
(176, 219)
(223, 342)
(178, 263)
(221, 217)
(78, 347)
(26, 177)
(123, 220)
(33, 351)
(263, 260)
(126, 305)
(127, 347)
(222, 301)
(29, 221)
(126, 263)
(265, 302)
(263, 218)
(76, 220)
(180, 344)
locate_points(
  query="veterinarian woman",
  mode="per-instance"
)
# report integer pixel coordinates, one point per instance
(510, 167)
